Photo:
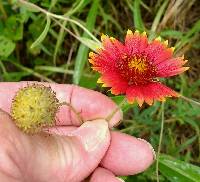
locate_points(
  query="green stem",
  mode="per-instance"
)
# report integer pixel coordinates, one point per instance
(74, 111)
(3, 67)
(160, 141)
(28, 70)
(70, 32)
(110, 116)
(190, 100)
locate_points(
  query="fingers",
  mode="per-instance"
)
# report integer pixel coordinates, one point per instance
(89, 104)
(101, 174)
(127, 155)
(52, 158)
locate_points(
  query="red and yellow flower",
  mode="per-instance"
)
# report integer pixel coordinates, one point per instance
(134, 68)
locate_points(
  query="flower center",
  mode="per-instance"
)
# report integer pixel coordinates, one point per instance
(139, 64)
(136, 69)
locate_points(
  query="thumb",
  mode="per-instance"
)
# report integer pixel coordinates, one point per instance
(71, 157)
(91, 141)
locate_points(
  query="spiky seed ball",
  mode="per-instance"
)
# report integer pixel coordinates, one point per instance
(34, 107)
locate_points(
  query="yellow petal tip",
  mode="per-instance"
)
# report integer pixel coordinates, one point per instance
(112, 39)
(104, 85)
(103, 37)
(162, 99)
(140, 101)
(144, 34)
(99, 80)
(149, 101)
(91, 54)
(166, 43)
(137, 32)
(186, 68)
(158, 38)
(129, 32)
(172, 48)
(91, 61)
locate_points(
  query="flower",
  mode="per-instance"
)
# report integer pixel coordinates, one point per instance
(134, 67)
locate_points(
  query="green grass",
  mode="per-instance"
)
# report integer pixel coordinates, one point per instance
(50, 41)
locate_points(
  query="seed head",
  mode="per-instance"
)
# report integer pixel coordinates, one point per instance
(34, 107)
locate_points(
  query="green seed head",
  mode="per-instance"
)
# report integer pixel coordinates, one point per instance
(34, 107)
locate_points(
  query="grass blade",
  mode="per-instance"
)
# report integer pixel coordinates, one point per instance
(187, 38)
(82, 54)
(138, 22)
(61, 35)
(157, 19)
(43, 34)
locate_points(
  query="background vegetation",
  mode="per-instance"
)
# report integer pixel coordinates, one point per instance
(36, 45)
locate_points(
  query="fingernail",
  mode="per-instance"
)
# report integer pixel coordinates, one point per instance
(120, 179)
(150, 146)
(92, 134)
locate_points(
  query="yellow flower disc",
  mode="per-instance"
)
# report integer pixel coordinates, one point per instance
(34, 107)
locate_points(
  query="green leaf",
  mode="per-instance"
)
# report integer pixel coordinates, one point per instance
(178, 171)
(171, 33)
(138, 22)
(1, 28)
(82, 54)
(14, 28)
(43, 34)
(6, 46)
(89, 81)
(24, 14)
(186, 144)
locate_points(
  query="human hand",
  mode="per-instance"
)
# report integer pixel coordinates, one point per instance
(73, 151)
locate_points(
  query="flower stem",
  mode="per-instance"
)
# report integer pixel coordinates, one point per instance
(74, 111)
(110, 116)
(28, 70)
(160, 141)
(190, 100)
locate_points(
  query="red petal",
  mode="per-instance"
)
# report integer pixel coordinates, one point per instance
(112, 47)
(114, 80)
(101, 62)
(171, 67)
(106, 58)
(135, 43)
(149, 92)
(134, 93)
(158, 52)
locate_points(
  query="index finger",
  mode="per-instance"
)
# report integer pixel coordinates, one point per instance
(88, 103)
